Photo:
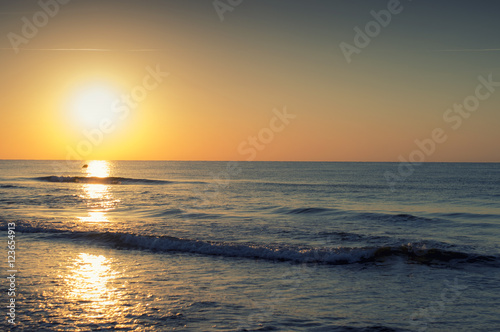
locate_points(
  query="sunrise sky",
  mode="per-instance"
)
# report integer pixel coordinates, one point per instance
(64, 89)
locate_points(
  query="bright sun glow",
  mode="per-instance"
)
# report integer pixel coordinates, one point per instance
(98, 168)
(93, 104)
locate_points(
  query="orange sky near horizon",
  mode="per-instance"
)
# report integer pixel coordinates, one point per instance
(231, 84)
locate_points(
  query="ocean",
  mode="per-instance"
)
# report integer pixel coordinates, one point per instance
(249, 246)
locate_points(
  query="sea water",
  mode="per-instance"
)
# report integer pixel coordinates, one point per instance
(250, 246)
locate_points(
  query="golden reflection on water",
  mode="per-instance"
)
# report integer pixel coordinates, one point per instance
(89, 284)
(95, 217)
(98, 196)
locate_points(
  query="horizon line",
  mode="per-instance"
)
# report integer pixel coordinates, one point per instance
(247, 161)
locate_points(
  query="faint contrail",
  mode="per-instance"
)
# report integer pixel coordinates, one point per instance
(86, 49)
(469, 50)
(14, 13)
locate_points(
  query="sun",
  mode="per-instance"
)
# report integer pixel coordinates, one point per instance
(98, 168)
(93, 103)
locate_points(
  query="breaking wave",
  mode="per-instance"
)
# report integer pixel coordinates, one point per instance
(331, 256)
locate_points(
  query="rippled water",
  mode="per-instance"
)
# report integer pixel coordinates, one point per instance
(252, 246)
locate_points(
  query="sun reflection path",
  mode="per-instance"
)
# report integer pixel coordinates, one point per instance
(90, 284)
(99, 198)
(98, 290)
(95, 217)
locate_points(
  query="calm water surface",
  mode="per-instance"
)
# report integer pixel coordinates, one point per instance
(260, 246)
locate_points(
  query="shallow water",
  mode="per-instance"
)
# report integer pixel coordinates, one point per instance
(252, 246)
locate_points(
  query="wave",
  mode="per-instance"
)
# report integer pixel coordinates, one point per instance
(375, 328)
(309, 210)
(9, 186)
(400, 217)
(166, 212)
(352, 214)
(304, 210)
(329, 256)
(99, 180)
(466, 215)
(348, 236)
(434, 256)
(200, 215)
(320, 185)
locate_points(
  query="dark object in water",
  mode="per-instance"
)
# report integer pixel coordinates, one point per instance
(85, 166)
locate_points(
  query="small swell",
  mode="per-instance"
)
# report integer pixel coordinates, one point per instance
(347, 236)
(201, 215)
(464, 215)
(401, 217)
(405, 216)
(9, 186)
(304, 210)
(98, 180)
(168, 212)
(433, 255)
(375, 328)
(356, 215)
